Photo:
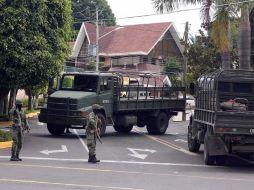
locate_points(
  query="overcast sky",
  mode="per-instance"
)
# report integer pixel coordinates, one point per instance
(127, 8)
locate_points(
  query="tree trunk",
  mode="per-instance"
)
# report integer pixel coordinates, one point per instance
(6, 105)
(1, 107)
(36, 102)
(30, 100)
(226, 55)
(252, 36)
(244, 39)
(225, 60)
(3, 93)
(12, 99)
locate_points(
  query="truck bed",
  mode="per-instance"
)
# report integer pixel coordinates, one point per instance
(161, 98)
(235, 122)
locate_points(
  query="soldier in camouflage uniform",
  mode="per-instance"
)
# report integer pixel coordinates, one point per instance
(91, 133)
(19, 126)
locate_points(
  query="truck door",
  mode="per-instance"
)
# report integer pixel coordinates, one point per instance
(106, 94)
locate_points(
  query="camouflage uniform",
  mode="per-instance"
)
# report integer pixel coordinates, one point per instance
(91, 134)
(19, 126)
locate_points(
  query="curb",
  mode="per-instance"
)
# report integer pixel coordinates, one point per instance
(5, 123)
(6, 144)
(29, 115)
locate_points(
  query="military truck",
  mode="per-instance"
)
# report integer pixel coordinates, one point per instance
(147, 102)
(223, 118)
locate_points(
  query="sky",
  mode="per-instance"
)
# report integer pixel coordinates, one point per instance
(128, 8)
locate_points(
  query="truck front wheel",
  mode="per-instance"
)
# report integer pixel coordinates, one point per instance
(158, 125)
(123, 129)
(55, 129)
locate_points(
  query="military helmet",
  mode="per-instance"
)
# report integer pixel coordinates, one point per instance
(18, 102)
(96, 106)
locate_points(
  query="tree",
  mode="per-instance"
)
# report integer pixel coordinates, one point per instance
(252, 35)
(202, 56)
(221, 25)
(33, 41)
(84, 10)
(173, 69)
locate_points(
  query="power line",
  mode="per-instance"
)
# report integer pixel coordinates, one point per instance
(176, 11)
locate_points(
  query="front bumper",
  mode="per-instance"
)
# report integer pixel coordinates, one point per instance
(61, 120)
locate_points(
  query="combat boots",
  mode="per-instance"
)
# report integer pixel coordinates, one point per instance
(14, 159)
(93, 159)
(90, 158)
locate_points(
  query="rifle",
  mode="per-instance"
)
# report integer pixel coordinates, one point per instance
(96, 129)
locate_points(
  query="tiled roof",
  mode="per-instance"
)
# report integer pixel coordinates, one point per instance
(126, 40)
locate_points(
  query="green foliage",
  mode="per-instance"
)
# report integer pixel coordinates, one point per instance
(84, 10)
(5, 136)
(24, 103)
(38, 90)
(91, 66)
(202, 56)
(173, 69)
(33, 41)
(67, 82)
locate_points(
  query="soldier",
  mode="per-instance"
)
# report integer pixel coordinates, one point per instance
(91, 130)
(19, 126)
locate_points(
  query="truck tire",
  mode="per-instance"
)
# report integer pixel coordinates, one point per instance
(123, 129)
(103, 124)
(209, 160)
(158, 125)
(55, 129)
(193, 144)
(221, 160)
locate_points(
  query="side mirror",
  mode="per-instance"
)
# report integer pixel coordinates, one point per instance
(192, 88)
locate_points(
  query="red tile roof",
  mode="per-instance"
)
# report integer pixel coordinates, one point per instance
(124, 40)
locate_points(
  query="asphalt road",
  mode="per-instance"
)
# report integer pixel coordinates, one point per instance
(128, 162)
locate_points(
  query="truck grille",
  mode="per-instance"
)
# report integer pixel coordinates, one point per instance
(61, 106)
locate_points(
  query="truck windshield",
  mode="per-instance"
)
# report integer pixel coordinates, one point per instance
(86, 83)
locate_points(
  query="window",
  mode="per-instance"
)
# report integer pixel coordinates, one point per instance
(87, 83)
(242, 87)
(224, 87)
(104, 84)
(67, 82)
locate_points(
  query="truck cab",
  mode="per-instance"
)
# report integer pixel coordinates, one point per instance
(70, 104)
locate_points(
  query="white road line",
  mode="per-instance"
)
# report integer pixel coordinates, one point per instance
(64, 184)
(81, 140)
(114, 161)
(166, 143)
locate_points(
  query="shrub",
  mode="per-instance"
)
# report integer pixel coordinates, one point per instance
(5, 136)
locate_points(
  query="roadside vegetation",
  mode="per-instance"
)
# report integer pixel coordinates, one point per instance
(5, 136)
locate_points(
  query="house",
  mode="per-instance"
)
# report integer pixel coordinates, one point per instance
(131, 47)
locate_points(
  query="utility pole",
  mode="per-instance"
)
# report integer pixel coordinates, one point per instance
(186, 33)
(97, 39)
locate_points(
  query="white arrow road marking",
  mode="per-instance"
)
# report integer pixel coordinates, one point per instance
(47, 152)
(180, 140)
(140, 156)
(39, 123)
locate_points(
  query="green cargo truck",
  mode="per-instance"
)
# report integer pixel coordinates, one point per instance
(223, 118)
(127, 100)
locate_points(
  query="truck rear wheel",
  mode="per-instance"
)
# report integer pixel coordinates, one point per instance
(55, 129)
(158, 125)
(123, 129)
(209, 160)
(103, 124)
(193, 144)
